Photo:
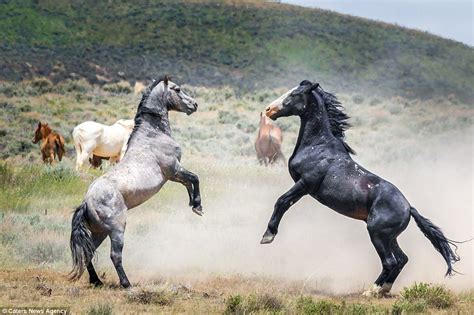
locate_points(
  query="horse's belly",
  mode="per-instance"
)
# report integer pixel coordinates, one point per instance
(111, 143)
(141, 186)
(344, 197)
(107, 150)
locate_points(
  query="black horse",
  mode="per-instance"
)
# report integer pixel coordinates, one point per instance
(322, 167)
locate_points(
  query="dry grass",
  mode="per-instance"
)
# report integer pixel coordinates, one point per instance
(237, 197)
(44, 287)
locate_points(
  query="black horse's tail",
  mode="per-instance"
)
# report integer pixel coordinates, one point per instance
(82, 246)
(437, 238)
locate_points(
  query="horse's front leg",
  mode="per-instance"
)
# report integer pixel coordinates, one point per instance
(283, 203)
(191, 182)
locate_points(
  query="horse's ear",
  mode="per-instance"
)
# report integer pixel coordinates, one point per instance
(39, 124)
(314, 86)
(165, 80)
(261, 114)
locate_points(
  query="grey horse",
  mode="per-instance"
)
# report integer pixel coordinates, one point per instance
(152, 158)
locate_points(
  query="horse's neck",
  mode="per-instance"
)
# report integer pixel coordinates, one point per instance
(314, 129)
(46, 132)
(150, 126)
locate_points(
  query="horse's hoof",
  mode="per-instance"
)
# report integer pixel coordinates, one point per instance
(97, 284)
(126, 285)
(267, 238)
(375, 291)
(198, 210)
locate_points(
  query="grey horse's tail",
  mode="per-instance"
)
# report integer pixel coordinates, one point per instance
(82, 246)
(437, 238)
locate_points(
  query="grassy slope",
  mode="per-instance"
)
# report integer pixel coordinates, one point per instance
(225, 125)
(240, 43)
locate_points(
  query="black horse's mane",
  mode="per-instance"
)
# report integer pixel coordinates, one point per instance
(338, 119)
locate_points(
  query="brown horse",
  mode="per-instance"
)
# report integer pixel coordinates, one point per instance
(268, 142)
(52, 143)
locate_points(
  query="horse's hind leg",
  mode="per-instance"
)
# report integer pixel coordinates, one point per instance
(402, 260)
(383, 230)
(382, 243)
(93, 277)
(116, 239)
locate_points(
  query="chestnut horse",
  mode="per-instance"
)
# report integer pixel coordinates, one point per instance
(268, 142)
(52, 143)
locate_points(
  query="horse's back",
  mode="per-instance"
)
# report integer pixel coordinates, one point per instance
(126, 123)
(269, 140)
(87, 130)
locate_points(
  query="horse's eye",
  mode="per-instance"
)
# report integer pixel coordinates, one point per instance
(177, 90)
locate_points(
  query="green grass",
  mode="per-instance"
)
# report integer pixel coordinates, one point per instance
(100, 309)
(38, 188)
(202, 43)
(251, 304)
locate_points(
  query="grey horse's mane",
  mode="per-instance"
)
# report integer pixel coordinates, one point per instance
(146, 95)
(141, 111)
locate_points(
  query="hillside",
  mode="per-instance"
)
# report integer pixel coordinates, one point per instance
(242, 44)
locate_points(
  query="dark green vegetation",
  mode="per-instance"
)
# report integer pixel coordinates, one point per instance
(245, 44)
(417, 299)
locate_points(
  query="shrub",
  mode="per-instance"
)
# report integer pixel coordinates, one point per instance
(264, 302)
(233, 304)
(436, 296)
(8, 237)
(122, 87)
(375, 101)
(100, 309)
(401, 306)
(150, 297)
(59, 173)
(246, 126)
(395, 109)
(358, 99)
(41, 86)
(68, 85)
(306, 305)
(237, 304)
(9, 89)
(44, 251)
(226, 117)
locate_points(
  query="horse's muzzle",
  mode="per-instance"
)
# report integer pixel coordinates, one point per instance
(272, 111)
(192, 108)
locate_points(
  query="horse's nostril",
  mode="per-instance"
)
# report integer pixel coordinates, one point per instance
(267, 109)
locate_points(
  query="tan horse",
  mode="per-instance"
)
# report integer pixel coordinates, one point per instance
(52, 143)
(268, 142)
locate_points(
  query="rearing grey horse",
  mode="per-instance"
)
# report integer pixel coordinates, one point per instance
(152, 158)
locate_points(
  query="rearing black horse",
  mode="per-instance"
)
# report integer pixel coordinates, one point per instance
(322, 167)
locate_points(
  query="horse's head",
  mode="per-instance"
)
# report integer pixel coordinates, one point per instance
(40, 132)
(292, 103)
(174, 98)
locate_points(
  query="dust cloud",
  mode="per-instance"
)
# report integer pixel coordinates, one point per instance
(315, 245)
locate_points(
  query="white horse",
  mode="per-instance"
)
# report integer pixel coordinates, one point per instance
(92, 138)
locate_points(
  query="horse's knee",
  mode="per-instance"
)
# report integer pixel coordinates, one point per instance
(116, 257)
(390, 263)
(402, 260)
